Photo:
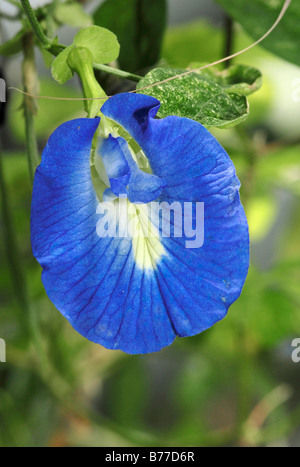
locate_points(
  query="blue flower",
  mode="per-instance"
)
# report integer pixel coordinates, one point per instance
(137, 293)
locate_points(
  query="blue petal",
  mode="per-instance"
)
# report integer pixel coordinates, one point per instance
(122, 292)
(115, 164)
(144, 187)
(124, 174)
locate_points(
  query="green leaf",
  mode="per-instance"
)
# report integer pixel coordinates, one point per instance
(139, 25)
(72, 14)
(13, 45)
(257, 17)
(212, 98)
(100, 41)
(60, 69)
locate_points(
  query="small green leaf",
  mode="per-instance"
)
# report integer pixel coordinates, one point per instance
(13, 45)
(212, 98)
(100, 41)
(72, 14)
(257, 16)
(60, 69)
(139, 25)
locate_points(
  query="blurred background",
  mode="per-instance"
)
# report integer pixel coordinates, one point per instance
(233, 385)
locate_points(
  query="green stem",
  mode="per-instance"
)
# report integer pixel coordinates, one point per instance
(30, 84)
(32, 155)
(117, 72)
(35, 24)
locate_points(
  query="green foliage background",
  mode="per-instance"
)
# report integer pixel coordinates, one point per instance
(234, 384)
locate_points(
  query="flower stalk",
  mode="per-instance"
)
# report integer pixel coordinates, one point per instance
(30, 83)
(81, 61)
